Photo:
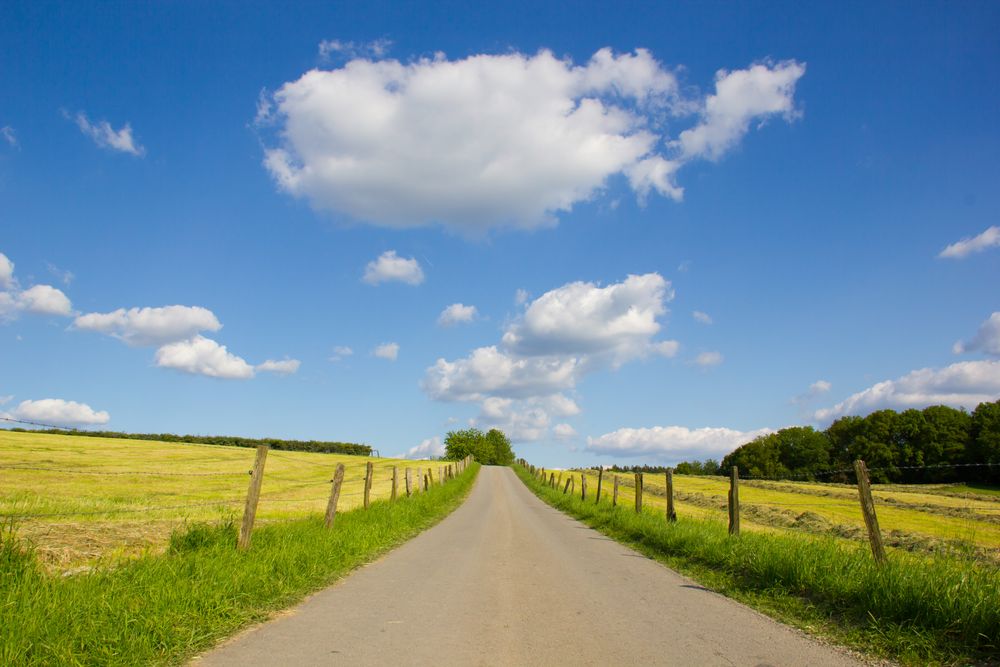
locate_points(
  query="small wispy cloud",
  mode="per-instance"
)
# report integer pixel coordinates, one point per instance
(8, 134)
(703, 318)
(329, 48)
(388, 351)
(970, 245)
(105, 136)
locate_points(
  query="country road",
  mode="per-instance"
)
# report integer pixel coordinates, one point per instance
(507, 580)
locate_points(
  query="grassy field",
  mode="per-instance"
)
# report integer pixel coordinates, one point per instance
(164, 608)
(919, 609)
(952, 519)
(80, 500)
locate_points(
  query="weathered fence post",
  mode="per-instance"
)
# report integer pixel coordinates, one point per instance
(614, 495)
(253, 495)
(734, 501)
(427, 480)
(552, 481)
(868, 510)
(331, 505)
(638, 493)
(395, 482)
(566, 488)
(583, 486)
(369, 473)
(600, 478)
(409, 482)
(441, 475)
(420, 479)
(671, 514)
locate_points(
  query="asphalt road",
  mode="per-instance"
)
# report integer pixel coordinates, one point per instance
(507, 580)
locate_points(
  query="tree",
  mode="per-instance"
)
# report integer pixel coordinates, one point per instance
(492, 448)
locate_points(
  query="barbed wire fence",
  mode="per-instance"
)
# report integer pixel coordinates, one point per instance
(818, 508)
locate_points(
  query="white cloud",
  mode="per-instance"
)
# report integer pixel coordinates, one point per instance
(564, 431)
(986, 340)
(706, 359)
(376, 48)
(581, 318)
(457, 313)
(341, 351)
(499, 140)
(816, 389)
(283, 367)
(8, 134)
(967, 246)
(701, 318)
(561, 336)
(521, 297)
(44, 300)
(521, 421)
(429, 448)
(387, 351)
(965, 384)
(151, 326)
(105, 136)
(741, 97)
(6, 272)
(389, 267)
(671, 444)
(4, 400)
(58, 412)
(488, 371)
(38, 299)
(203, 356)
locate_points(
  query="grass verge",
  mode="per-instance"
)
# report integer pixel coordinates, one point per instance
(163, 609)
(916, 610)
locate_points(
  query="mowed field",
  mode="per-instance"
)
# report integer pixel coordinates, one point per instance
(81, 499)
(935, 518)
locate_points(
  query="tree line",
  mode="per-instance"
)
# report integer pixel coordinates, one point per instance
(224, 440)
(936, 444)
(490, 448)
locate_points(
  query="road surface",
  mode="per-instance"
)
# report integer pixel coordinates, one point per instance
(507, 580)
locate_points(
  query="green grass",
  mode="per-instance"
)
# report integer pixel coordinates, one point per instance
(917, 609)
(162, 609)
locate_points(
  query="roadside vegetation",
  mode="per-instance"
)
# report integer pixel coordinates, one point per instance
(164, 608)
(918, 609)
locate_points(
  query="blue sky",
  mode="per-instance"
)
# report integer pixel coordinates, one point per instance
(288, 182)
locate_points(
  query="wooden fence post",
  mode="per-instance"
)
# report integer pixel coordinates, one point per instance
(552, 481)
(420, 479)
(600, 478)
(868, 510)
(566, 488)
(614, 495)
(369, 473)
(572, 484)
(427, 480)
(583, 486)
(253, 495)
(671, 514)
(395, 482)
(441, 475)
(734, 501)
(638, 493)
(331, 505)
(409, 482)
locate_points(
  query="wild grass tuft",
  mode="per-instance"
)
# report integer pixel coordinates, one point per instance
(916, 609)
(161, 609)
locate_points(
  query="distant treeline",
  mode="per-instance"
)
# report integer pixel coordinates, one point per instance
(225, 440)
(936, 444)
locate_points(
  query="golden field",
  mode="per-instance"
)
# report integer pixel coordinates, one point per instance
(80, 499)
